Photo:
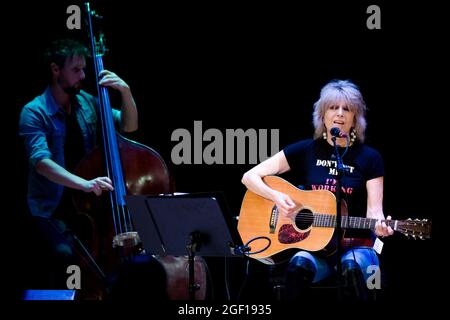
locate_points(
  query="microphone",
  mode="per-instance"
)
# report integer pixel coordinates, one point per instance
(335, 132)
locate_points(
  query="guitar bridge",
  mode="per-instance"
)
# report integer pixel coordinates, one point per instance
(273, 219)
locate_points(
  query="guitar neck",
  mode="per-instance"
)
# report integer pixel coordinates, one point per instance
(328, 220)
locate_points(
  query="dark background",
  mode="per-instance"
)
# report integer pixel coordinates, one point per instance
(252, 65)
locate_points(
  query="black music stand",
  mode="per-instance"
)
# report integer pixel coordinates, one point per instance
(180, 224)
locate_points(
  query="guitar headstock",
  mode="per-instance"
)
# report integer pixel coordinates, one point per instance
(418, 229)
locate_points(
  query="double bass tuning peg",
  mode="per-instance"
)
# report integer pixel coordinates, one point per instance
(96, 15)
(100, 44)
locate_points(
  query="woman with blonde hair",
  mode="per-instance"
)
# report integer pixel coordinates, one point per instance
(313, 166)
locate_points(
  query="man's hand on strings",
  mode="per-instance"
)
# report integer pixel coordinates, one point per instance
(98, 185)
(110, 79)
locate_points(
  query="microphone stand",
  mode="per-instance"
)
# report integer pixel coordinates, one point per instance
(340, 173)
(192, 248)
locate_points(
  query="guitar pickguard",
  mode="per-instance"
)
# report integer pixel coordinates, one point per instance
(288, 234)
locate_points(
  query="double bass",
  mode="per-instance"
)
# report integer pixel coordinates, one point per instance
(107, 228)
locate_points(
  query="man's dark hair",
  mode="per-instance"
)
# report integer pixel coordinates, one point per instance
(60, 50)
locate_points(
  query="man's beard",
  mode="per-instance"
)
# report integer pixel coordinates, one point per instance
(72, 91)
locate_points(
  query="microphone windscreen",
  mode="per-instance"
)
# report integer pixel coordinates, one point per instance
(334, 131)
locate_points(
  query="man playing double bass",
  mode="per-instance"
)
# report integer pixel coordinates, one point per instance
(59, 128)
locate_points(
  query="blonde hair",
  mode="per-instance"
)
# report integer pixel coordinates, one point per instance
(333, 92)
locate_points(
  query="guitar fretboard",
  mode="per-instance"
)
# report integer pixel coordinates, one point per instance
(328, 220)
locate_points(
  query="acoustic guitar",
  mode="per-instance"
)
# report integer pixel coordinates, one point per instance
(311, 228)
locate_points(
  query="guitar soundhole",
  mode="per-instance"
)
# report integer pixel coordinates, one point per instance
(304, 219)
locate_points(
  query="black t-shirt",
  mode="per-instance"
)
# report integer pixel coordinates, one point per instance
(314, 167)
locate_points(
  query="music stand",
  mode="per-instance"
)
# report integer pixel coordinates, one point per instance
(180, 224)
